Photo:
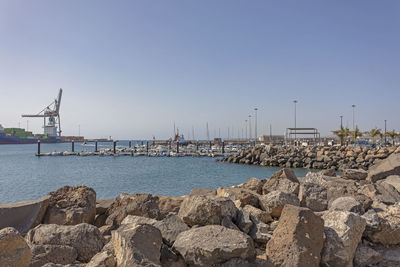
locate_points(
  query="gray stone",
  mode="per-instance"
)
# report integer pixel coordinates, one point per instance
(213, 244)
(298, 239)
(343, 231)
(85, 238)
(243, 221)
(59, 254)
(381, 192)
(14, 252)
(284, 180)
(366, 256)
(385, 168)
(137, 245)
(393, 180)
(204, 210)
(258, 214)
(102, 259)
(102, 205)
(313, 196)
(240, 196)
(260, 232)
(71, 205)
(354, 174)
(23, 215)
(347, 204)
(274, 202)
(170, 227)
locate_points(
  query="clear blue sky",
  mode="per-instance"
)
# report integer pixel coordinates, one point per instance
(129, 69)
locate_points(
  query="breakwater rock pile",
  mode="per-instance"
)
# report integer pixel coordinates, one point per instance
(317, 220)
(312, 157)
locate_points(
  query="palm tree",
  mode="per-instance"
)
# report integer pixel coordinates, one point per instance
(356, 133)
(392, 135)
(373, 133)
(340, 133)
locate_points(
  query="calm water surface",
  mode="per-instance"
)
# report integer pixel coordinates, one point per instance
(23, 176)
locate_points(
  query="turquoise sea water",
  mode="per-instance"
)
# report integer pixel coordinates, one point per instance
(23, 176)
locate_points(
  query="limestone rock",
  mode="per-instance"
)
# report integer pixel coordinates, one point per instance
(343, 231)
(260, 232)
(254, 185)
(71, 205)
(85, 238)
(205, 210)
(169, 204)
(274, 202)
(385, 168)
(354, 174)
(243, 196)
(258, 214)
(347, 204)
(284, 180)
(102, 205)
(170, 227)
(14, 252)
(393, 180)
(137, 245)
(298, 239)
(213, 244)
(58, 254)
(145, 205)
(313, 196)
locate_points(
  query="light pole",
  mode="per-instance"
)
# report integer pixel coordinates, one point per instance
(245, 123)
(353, 106)
(295, 125)
(341, 122)
(249, 127)
(255, 124)
(385, 132)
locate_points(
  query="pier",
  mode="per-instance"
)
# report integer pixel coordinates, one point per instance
(159, 148)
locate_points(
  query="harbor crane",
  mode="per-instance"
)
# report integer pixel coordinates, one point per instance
(52, 112)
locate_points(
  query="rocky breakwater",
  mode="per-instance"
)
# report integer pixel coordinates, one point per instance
(312, 157)
(317, 220)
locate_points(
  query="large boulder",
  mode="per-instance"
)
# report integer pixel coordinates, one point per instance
(241, 197)
(298, 239)
(213, 244)
(145, 205)
(58, 254)
(366, 256)
(205, 210)
(137, 245)
(354, 174)
(313, 196)
(170, 227)
(343, 231)
(85, 238)
(383, 227)
(71, 205)
(385, 168)
(284, 180)
(393, 180)
(102, 259)
(14, 251)
(258, 214)
(23, 215)
(253, 184)
(168, 204)
(274, 202)
(347, 204)
(382, 191)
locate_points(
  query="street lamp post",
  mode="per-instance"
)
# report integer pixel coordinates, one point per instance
(353, 106)
(249, 127)
(255, 125)
(295, 125)
(245, 123)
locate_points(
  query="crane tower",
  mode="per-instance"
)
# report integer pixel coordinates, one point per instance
(52, 113)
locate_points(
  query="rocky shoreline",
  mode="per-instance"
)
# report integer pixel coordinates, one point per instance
(318, 220)
(312, 157)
